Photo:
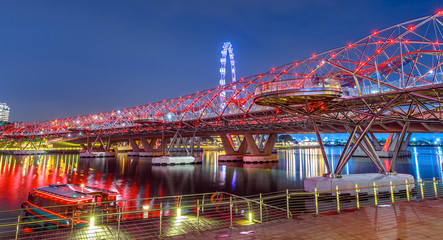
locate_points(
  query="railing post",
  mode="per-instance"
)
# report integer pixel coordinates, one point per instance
(337, 193)
(392, 192)
(18, 226)
(375, 195)
(203, 203)
(230, 211)
(72, 223)
(261, 209)
(161, 216)
(421, 189)
(357, 196)
(435, 188)
(316, 201)
(198, 216)
(407, 190)
(118, 225)
(287, 203)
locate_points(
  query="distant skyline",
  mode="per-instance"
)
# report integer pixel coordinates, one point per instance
(335, 136)
(68, 58)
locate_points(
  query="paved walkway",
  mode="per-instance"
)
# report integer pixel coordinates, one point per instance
(414, 220)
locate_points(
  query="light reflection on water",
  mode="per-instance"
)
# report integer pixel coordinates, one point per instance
(137, 178)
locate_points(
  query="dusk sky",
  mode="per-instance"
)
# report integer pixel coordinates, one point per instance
(67, 58)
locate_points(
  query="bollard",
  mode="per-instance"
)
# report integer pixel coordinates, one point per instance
(18, 227)
(316, 202)
(161, 215)
(230, 211)
(421, 189)
(435, 188)
(375, 195)
(198, 216)
(337, 194)
(357, 197)
(287, 203)
(392, 191)
(407, 190)
(261, 209)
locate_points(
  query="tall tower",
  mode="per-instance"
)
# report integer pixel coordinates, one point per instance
(4, 112)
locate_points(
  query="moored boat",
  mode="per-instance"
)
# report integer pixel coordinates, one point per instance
(69, 205)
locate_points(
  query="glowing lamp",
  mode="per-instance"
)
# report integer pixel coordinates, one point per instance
(91, 222)
(145, 207)
(179, 212)
(250, 216)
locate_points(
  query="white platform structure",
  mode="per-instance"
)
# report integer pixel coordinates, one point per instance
(150, 154)
(362, 180)
(96, 154)
(167, 160)
(28, 152)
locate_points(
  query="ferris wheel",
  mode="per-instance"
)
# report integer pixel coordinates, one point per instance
(227, 49)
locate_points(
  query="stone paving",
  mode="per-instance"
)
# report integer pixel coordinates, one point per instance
(414, 220)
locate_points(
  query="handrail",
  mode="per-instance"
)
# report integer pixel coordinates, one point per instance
(198, 209)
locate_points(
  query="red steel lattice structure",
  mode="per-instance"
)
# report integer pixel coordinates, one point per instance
(397, 70)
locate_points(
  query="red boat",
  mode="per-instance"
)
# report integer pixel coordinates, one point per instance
(70, 204)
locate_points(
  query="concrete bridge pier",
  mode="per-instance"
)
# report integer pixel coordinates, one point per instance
(92, 150)
(135, 148)
(259, 147)
(148, 148)
(178, 142)
(29, 147)
(262, 153)
(232, 154)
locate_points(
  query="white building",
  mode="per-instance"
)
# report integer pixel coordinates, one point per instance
(4, 112)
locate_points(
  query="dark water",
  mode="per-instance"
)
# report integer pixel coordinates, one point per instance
(137, 178)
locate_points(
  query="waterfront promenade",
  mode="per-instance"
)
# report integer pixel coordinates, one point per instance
(413, 220)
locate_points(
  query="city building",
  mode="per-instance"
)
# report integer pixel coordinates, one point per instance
(4, 112)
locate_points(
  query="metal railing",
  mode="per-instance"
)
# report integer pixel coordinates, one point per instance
(159, 217)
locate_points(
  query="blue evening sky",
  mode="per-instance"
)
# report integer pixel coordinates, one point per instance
(67, 58)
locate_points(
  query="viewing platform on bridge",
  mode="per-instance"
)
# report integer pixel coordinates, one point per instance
(297, 91)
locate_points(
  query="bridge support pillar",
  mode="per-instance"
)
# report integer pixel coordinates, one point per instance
(322, 148)
(388, 149)
(102, 150)
(148, 148)
(262, 154)
(134, 145)
(232, 155)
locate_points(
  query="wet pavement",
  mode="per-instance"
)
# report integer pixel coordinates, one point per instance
(413, 220)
